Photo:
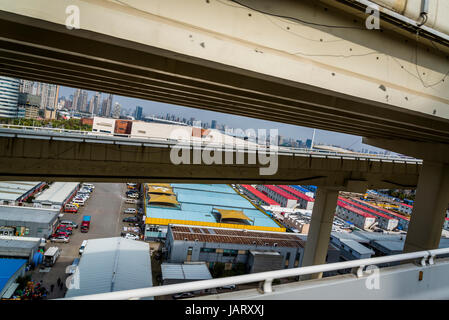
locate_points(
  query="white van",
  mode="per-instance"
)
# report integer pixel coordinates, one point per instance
(83, 245)
(131, 200)
(51, 255)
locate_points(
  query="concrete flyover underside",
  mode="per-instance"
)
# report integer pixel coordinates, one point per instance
(61, 157)
(243, 67)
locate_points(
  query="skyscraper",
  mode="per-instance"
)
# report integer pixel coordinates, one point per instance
(107, 106)
(83, 105)
(116, 111)
(9, 97)
(76, 98)
(138, 112)
(26, 86)
(97, 100)
(214, 124)
(48, 92)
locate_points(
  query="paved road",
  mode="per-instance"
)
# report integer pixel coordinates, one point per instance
(105, 205)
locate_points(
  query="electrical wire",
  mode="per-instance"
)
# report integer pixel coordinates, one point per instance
(297, 19)
(266, 14)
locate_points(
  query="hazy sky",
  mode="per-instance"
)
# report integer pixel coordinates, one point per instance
(233, 121)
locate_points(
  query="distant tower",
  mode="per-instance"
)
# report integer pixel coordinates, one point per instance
(9, 97)
(116, 111)
(96, 106)
(138, 113)
(214, 124)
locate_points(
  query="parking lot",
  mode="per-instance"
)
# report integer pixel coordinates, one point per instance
(105, 205)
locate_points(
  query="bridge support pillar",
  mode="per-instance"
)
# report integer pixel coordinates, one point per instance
(320, 229)
(431, 203)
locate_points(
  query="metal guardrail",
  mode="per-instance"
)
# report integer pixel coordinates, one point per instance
(8, 130)
(426, 259)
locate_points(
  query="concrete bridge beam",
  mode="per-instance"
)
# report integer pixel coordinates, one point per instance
(320, 228)
(432, 201)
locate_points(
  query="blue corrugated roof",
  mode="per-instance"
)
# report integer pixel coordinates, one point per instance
(7, 269)
(198, 201)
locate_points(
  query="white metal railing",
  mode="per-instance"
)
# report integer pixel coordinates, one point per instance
(122, 138)
(426, 258)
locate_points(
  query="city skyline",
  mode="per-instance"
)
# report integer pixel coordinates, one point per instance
(153, 108)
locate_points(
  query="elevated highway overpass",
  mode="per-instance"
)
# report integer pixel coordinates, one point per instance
(298, 62)
(311, 63)
(28, 153)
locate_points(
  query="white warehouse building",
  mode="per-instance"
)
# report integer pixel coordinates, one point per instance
(359, 218)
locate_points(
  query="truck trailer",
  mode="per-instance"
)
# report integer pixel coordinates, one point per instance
(85, 224)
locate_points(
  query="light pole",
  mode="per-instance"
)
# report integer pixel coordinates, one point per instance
(313, 138)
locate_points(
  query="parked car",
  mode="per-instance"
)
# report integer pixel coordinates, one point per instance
(229, 286)
(130, 210)
(83, 245)
(89, 185)
(64, 229)
(60, 238)
(130, 219)
(134, 196)
(131, 236)
(60, 233)
(131, 201)
(69, 223)
(183, 295)
(79, 201)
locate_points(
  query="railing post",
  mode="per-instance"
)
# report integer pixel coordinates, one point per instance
(267, 286)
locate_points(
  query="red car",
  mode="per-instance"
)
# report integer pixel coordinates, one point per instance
(60, 233)
(63, 228)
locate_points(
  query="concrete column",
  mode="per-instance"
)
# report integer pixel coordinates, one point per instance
(429, 210)
(320, 228)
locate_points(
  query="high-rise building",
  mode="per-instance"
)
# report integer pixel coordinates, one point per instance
(9, 97)
(48, 92)
(83, 106)
(97, 100)
(26, 86)
(107, 106)
(31, 104)
(309, 143)
(90, 108)
(214, 124)
(76, 99)
(138, 112)
(116, 111)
